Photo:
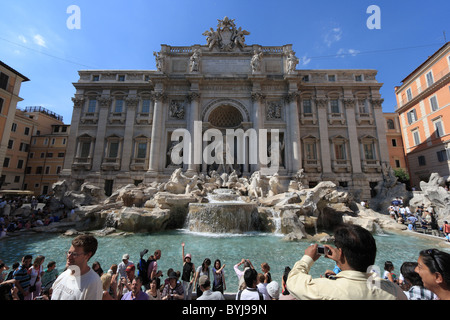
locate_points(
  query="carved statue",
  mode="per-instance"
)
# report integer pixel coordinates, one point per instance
(159, 58)
(195, 61)
(256, 61)
(275, 185)
(176, 110)
(212, 38)
(239, 37)
(292, 62)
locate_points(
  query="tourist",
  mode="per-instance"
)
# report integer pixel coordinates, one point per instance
(87, 284)
(219, 277)
(285, 294)
(412, 285)
(240, 274)
(23, 277)
(154, 293)
(36, 271)
(261, 286)
(173, 290)
(412, 222)
(433, 266)
(188, 274)
(125, 283)
(97, 268)
(205, 286)
(123, 265)
(135, 293)
(152, 270)
(250, 292)
(49, 275)
(446, 231)
(389, 272)
(106, 285)
(434, 225)
(114, 279)
(354, 253)
(266, 270)
(201, 270)
(273, 289)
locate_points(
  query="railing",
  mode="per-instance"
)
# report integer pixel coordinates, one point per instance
(44, 111)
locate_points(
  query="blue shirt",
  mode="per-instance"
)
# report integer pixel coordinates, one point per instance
(21, 274)
(141, 296)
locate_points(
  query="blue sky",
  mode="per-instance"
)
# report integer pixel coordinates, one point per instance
(36, 41)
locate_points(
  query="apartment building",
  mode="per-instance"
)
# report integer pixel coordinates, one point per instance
(423, 102)
(394, 139)
(10, 83)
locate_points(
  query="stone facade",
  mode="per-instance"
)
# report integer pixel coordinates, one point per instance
(330, 122)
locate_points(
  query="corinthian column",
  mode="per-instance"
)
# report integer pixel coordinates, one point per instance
(258, 100)
(127, 148)
(157, 132)
(194, 158)
(293, 134)
(105, 104)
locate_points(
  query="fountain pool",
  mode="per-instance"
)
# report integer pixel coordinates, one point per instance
(229, 248)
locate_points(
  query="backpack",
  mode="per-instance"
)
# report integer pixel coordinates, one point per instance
(143, 269)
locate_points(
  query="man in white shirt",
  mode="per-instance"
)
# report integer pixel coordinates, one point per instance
(251, 291)
(205, 286)
(122, 267)
(79, 281)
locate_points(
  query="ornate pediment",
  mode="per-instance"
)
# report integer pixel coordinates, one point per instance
(226, 37)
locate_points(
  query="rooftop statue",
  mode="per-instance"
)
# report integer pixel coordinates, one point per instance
(226, 37)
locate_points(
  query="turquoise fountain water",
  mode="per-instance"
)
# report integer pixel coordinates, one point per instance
(229, 248)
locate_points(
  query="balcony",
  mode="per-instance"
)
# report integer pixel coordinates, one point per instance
(82, 163)
(144, 118)
(312, 165)
(117, 117)
(111, 164)
(139, 164)
(371, 166)
(89, 117)
(341, 166)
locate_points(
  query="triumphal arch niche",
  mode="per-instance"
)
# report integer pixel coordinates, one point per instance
(322, 124)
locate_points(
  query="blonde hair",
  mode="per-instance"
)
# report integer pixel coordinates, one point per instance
(106, 281)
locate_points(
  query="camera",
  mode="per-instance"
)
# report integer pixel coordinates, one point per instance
(321, 250)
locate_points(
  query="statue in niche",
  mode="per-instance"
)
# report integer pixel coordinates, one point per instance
(256, 61)
(159, 58)
(169, 159)
(292, 62)
(194, 61)
(176, 110)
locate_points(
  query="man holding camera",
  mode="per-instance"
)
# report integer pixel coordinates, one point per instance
(354, 254)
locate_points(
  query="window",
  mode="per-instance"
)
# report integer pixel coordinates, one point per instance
(64, 129)
(92, 105)
(305, 78)
(416, 137)
(434, 103)
(409, 94)
(363, 107)
(85, 149)
(390, 124)
(146, 106)
(307, 106)
(10, 144)
(58, 169)
(49, 154)
(439, 128)
(20, 164)
(47, 170)
(6, 163)
(38, 170)
(45, 141)
(412, 116)
(14, 127)
(311, 153)
(339, 151)
(118, 107)
(27, 131)
(442, 156)
(331, 78)
(4, 80)
(121, 77)
(358, 78)
(394, 142)
(397, 163)
(369, 153)
(64, 141)
(31, 155)
(142, 150)
(42, 155)
(113, 150)
(421, 160)
(53, 141)
(27, 170)
(95, 77)
(60, 154)
(334, 106)
(24, 147)
(430, 80)
(1, 105)
(17, 179)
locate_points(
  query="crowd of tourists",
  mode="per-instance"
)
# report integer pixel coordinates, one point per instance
(353, 278)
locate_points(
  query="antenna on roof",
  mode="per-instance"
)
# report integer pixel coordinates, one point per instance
(445, 38)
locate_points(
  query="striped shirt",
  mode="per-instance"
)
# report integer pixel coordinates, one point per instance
(420, 293)
(21, 274)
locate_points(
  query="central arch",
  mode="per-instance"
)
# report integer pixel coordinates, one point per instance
(225, 113)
